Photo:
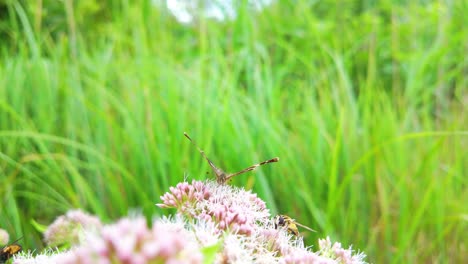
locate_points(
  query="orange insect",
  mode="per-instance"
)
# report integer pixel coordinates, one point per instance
(9, 250)
(286, 222)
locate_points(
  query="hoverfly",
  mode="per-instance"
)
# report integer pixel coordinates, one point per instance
(8, 251)
(221, 176)
(286, 222)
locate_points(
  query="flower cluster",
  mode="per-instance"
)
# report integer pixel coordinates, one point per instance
(4, 237)
(336, 252)
(214, 223)
(66, 228)
(49, 256)
(230, 208)
(185, 196)
(130, 240)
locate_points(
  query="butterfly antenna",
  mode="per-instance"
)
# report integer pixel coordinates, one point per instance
(199, 149)
(216, 170)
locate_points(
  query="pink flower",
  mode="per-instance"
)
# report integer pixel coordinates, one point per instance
(131, 241)
(49, 256)
(230, 208)
(66, 228)
(336, 252)
(184, 195)
(4, 237)
(233, 224)
(278, 241)
(306, 257)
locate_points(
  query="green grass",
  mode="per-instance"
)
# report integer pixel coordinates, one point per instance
(363, 103)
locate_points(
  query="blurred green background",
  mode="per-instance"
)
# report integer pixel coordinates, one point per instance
(363, 101)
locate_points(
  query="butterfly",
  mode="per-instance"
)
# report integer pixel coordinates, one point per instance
(286, 222)
(221, 176)
(9, 250)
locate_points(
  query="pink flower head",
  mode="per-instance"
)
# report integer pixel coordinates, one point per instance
(337, 252)
(233, 224)
(184, 195)
(66, 228)
(306, 257)
(230, 208)
(234, 209)
(131, 241)
(278, 241)
(4, 237)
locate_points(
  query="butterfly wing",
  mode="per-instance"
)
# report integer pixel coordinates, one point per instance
(251, 168)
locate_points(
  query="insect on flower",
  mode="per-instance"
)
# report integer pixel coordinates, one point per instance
(286, 222)
(221, 176)
(9, 250)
